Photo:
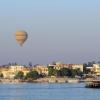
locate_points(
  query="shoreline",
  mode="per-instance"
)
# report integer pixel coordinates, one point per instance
(43, 80)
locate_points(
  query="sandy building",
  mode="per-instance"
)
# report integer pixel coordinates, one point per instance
(41, 69)
(96, 69)
(11, 71)
(78, 66)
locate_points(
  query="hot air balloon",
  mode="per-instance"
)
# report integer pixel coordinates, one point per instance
(21, 37)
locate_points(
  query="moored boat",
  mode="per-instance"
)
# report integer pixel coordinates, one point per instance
(93, 84)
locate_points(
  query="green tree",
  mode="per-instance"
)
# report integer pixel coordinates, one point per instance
(64, 72)
(69, 72)
(32, 75)
(19, 75)
(52, 71)
(30, 64)
(59, 73)
(75, 72)
(1, 75)
(90, 64)
(85, 65)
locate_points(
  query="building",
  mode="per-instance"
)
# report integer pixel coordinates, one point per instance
(58, 66)
(78, 66)
(41, 69)
(96, 69)
(11, 71)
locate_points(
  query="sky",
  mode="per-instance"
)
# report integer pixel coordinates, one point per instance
(58, 30)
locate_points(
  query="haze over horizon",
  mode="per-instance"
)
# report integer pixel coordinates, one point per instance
(58, 30)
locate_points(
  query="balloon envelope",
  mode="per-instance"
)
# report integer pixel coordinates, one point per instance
(21, 37)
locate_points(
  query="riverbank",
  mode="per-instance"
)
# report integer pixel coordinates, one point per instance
(57, 80)
(44, 80)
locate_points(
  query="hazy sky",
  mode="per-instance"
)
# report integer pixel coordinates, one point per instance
(59, 30)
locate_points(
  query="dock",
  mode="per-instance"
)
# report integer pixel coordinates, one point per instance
(93, 84)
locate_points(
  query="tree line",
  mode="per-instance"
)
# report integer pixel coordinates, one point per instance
(64, 72)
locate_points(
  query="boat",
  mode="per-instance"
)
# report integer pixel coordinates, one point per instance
(93, 84)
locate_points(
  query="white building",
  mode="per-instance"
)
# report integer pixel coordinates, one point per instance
(78, 66)
(16, 68)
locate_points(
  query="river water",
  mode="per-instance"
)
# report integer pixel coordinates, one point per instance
(37, 91)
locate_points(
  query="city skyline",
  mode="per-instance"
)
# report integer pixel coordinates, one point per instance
(66, 31)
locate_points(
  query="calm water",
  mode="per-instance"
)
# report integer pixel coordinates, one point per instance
(47, 92)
